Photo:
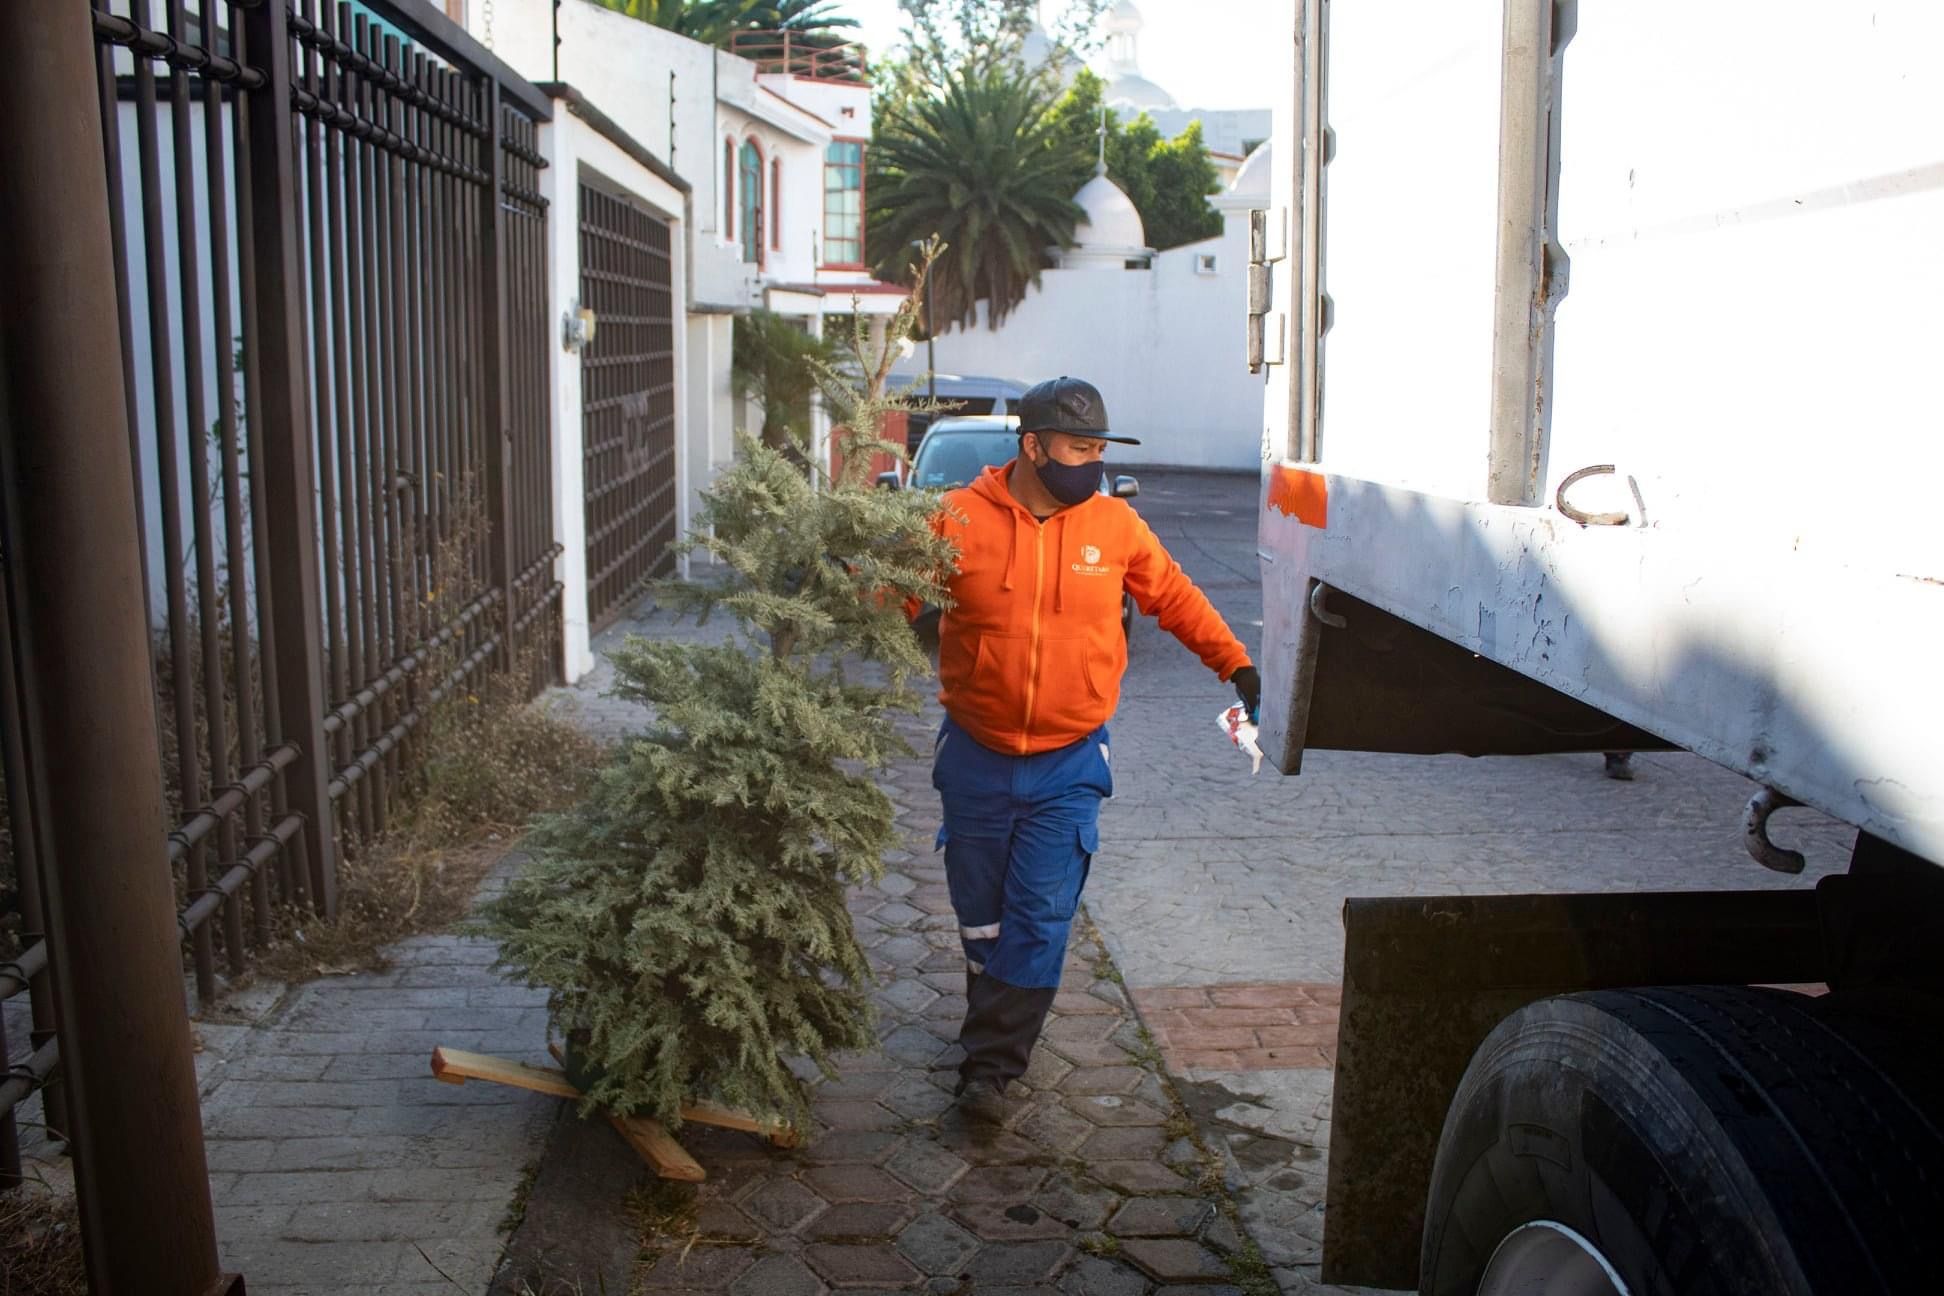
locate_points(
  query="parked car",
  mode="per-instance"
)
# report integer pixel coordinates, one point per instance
(955, 450)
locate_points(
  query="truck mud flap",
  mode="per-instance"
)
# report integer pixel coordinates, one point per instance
(1424, 981)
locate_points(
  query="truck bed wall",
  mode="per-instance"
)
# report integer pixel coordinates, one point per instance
(1752, 330)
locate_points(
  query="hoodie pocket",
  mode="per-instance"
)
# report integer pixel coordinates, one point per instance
(1076, 688)
(989, 682)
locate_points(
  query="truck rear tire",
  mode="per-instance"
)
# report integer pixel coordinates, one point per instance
(1692, 1141)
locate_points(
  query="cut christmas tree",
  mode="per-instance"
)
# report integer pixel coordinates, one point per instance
(688, 917)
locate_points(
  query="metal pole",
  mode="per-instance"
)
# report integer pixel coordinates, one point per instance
(1520, 313)
(74, 582)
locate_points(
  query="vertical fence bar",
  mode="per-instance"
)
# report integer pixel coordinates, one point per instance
(324, 286)
(340, 211)
(293, 865)
(236, 538)
(384, 358)
(82, 644)
(439, 300)
(406, 603)
(208, 617)
(118, 230)
(287, 530)
(496, 441)
(467, 226)
(357, 188)
(169, 482)
(419, 472)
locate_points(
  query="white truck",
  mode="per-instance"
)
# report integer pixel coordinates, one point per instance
(1604, 351)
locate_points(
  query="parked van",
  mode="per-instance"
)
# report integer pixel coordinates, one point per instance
(970, 394)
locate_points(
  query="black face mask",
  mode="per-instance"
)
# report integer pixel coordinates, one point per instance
(1070, 483)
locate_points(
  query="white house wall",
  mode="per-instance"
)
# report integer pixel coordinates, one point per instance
(709, 417)
(658, 87)
(801, 226)
(1165, 346)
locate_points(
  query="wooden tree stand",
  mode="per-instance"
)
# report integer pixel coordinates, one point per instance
(645, 1135)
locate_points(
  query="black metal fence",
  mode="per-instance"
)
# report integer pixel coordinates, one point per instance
(331, 271)
(627, 400)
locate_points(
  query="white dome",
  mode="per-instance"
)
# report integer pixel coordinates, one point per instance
(1132, 90)
(1037, 48)
(1253, 179)
(1123, 17)
(1111, 223)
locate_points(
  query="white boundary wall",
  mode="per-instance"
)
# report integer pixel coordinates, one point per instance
(1166, 347)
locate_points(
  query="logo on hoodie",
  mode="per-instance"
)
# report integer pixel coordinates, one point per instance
(1089, 564)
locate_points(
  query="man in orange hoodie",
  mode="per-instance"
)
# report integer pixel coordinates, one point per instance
(1031, 656)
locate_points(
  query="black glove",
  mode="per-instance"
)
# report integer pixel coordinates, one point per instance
(1248, 687)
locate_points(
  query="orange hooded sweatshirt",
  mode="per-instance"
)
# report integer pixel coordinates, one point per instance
(1031, 655)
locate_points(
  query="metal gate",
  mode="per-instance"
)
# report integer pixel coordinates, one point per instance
(628, 401)
(274, 468)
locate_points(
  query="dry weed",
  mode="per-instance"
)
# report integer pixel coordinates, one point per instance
(40, 1244)
(490, 763)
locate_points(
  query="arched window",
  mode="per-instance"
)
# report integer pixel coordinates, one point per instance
(776, 203)
(749, 180)
(729, 190)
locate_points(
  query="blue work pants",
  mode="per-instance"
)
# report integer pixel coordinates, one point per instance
(1019, 835)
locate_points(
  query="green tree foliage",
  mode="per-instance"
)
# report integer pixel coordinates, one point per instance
(775, 363)
(1166, 179)
(943, 35)
(974, 164)
(713, 22)
(688, 918)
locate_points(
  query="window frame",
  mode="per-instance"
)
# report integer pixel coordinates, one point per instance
(753, 231)
(729, 188)
(776, 202)
(863, 184)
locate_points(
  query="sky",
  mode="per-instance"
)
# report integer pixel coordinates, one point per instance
(1206, 53)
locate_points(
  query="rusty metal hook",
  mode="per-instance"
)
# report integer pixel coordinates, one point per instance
(1755, 832)
(1579, 515)
(1321, 613)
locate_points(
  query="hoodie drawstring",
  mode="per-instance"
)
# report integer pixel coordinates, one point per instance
(1059, 568)
(1012, 551)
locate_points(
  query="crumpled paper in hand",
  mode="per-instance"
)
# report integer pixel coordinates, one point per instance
(1235, 726)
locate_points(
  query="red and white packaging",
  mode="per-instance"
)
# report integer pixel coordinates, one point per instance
(1235, 726)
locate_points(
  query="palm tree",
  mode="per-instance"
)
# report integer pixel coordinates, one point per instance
(713, 22)
(974, 165)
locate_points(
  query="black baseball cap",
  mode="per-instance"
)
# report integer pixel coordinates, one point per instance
(1066, 404)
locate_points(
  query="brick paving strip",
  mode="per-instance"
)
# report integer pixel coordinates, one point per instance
(1097, 1184)
(1253, 1026)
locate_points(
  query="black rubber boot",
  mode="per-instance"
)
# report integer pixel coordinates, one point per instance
(1002, 1022)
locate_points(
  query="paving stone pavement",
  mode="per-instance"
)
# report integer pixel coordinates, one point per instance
(1092, 1187)
(338, 1165)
